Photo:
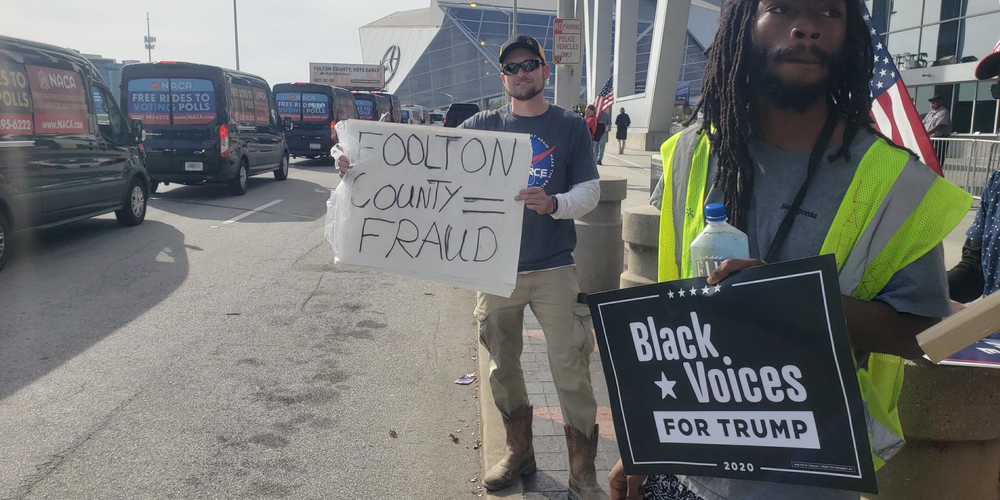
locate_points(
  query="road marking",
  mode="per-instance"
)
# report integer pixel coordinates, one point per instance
(623, 160)
(248, 213)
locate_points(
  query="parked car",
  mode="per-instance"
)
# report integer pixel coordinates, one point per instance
(222, 125)
(414, 115)
(458, 113)
(67, 152)
(436, 118)
(314, 111)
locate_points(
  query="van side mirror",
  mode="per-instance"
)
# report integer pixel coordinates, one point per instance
(287, 122)
(137, 132)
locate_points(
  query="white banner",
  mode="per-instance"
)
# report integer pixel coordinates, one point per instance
(349, 76)
(432, 203)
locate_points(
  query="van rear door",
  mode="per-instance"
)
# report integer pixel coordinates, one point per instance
(180, 118)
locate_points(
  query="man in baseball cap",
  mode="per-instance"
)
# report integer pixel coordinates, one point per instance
(521, 42)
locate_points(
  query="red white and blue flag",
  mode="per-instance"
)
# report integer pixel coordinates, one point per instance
(892, 109)
(606, 98)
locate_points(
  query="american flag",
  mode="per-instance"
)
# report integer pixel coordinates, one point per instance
(893, 111)
(606, 98)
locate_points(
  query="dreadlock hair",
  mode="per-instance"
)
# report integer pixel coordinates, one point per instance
(726, 96)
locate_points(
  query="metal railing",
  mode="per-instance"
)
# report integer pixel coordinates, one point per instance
(968, 162)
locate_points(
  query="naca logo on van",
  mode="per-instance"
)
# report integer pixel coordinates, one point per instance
(50, 79)
(542, 162)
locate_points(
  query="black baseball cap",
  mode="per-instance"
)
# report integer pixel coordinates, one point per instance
(521, 42)
(936, 97)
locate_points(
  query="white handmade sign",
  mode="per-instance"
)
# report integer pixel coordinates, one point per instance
(432, 203)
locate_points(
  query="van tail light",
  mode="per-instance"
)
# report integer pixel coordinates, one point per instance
(224, 140)
(444, 121)
(333, 131)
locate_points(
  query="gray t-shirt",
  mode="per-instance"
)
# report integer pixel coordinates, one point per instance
(562, 155)
(920, 288)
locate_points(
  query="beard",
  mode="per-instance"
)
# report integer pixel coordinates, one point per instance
(791, 95)
(525, 94)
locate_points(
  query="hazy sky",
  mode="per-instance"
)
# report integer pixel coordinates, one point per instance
(278, 38)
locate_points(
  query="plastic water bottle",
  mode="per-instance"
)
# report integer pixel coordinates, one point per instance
(717, 242)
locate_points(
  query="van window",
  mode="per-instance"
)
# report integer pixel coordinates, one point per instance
(248, 105)
(406, 115)
(15, 100)
(166, 101)
(366, 107)
(261, 114)
(59, 101)
(346, 106)
(306, 106)
(109, 119)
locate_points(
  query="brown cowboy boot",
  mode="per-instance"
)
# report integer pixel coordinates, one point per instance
(582, 474)
(519, 458)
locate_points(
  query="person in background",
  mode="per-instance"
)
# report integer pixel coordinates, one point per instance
(978, 274)
(601, 136)
(590, 115)
(937, 121)
(622, 121)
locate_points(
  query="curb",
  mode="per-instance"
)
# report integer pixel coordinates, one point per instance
(492, 432)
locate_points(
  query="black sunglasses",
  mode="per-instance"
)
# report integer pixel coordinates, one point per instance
(528, 66)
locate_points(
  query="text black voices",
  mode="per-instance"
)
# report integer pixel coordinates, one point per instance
(724, 384)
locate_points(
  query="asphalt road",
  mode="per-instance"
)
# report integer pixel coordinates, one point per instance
(217, 352)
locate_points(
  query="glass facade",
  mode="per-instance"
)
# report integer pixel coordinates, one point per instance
(931, 33)
(460, 63)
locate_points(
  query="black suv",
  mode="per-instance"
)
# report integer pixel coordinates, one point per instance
(458, 113)
(67, 152)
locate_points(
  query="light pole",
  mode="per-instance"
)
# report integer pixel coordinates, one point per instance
(236, 35)
(149, 39)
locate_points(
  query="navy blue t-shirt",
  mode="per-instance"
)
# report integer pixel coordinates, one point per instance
(562, 155)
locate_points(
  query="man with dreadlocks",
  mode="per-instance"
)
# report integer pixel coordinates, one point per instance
(786, 144)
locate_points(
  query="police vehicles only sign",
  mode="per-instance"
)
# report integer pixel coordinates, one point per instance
(749, 379)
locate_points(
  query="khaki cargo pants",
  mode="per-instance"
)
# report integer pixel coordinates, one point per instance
(552, 295)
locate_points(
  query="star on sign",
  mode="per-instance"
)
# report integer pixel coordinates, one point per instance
(704, 291)
(681, 292)
(694, 291)
(666, 386)
(718, 288)
(670, 294)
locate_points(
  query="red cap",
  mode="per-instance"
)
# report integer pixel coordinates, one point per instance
(989, 66)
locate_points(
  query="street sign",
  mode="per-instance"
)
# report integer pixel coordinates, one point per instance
(567, 47)
(749, 379)
(348, 76)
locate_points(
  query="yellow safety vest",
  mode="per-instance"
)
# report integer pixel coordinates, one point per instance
(893, 213)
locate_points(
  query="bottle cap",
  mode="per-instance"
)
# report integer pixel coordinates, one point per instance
(715, 212)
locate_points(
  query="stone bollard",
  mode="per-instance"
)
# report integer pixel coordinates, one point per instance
(951, 420)
(599, 254)
(641, 232)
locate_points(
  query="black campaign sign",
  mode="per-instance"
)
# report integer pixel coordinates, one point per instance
(749, 379)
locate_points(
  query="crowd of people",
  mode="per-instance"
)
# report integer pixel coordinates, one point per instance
(787, 118)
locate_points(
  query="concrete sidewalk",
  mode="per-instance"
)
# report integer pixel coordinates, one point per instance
(549, 481)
